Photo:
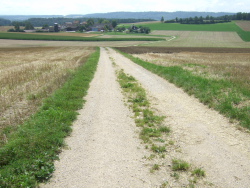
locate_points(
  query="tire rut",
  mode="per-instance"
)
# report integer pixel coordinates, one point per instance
(205, 137)
(104, 148)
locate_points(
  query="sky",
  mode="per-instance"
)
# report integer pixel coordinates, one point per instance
(63, 7)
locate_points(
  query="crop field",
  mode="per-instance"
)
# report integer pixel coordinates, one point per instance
(71, 34)
(28, 75)
(234, 66)
(231, 26)
(220, 27)
(201, 39)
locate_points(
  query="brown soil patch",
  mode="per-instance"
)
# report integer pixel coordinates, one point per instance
(245, 25)
(142, 50)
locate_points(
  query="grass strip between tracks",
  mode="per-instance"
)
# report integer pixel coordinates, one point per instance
(153, 131)
(28, 157)
(228, 98)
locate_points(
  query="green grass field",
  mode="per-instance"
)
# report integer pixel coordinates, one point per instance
(222, 27)
(24, 36)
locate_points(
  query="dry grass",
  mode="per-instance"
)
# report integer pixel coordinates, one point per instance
(232, 66)
(245, 25)
(28, 75)
(6, 28)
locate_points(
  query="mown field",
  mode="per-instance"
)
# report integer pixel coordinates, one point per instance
(56, 80)
(217, 77)
(28, 75)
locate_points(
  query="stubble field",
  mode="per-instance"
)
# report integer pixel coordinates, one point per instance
(232, 64)
(28, 75)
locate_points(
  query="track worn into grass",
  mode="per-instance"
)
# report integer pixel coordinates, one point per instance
(103, 148)
(205, 137)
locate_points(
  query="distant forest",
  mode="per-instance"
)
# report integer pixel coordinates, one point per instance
(50, 21)
(209, 19)
(38, 22)
(122, 17)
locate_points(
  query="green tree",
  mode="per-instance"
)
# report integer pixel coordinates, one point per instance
(28, 26)
(90, 22)
(162, 19)
(114, 23)
(45, 26)
(17, 26)
(147, 30)
(106, 21)
(100, 20)
(239, 16)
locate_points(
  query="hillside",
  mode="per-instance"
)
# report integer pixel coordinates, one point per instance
(156, 15)
(122, 15)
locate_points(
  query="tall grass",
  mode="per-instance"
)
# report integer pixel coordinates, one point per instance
(228, 98)
(28, 157)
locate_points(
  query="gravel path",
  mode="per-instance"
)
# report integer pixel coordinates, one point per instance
(205, 137)
(104, 150)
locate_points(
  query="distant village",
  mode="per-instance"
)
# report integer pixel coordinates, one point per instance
(77, 26)
(74, 26)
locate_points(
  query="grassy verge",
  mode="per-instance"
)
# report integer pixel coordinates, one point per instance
(24, 36)
(224, 96)
(28, 157)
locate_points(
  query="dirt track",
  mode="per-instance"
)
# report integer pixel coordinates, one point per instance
(104, 146)
(103, 149)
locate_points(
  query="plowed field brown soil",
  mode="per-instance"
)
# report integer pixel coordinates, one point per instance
(141, 50)
(245, 25)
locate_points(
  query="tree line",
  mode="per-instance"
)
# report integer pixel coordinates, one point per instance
(38, 22)
(4, 22)
(209, 19)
